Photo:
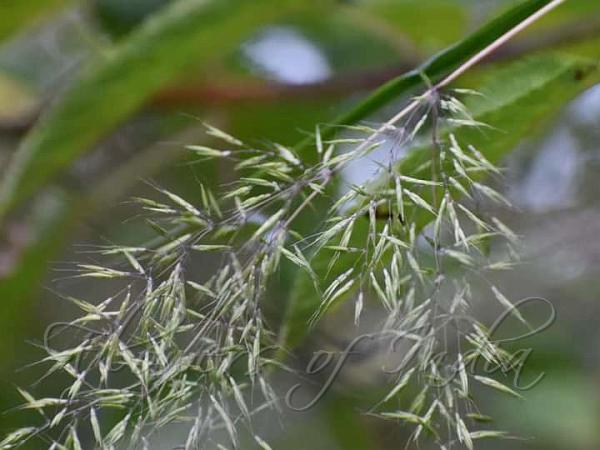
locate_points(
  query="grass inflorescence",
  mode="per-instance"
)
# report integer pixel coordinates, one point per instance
(170, 348)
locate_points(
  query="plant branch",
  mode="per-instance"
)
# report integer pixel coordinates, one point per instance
(464, 67)
(253, 91)
(236, 91)
(490, 49)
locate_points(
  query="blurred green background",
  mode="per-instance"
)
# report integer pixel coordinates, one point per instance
(105, 94)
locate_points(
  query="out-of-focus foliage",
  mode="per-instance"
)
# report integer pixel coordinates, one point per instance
(186, 33)
(19, 100)
(121, 17)
(15, 14)
(447, 20)
(151, 68)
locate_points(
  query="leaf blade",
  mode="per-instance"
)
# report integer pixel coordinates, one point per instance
(113, 89)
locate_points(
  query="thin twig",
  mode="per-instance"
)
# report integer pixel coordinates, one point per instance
(499, 43)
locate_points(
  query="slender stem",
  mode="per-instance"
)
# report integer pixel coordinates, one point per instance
(307, 201)
(499, 43)
(491, 48)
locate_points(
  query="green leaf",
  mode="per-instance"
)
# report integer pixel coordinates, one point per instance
(48, 229)
(347, 426)
(185, 34)
(430, 24)
(434, 68)
(514, 103)
(15, 14)
(120, 17)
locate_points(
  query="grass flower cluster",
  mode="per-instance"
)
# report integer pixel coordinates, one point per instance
(169, 348)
